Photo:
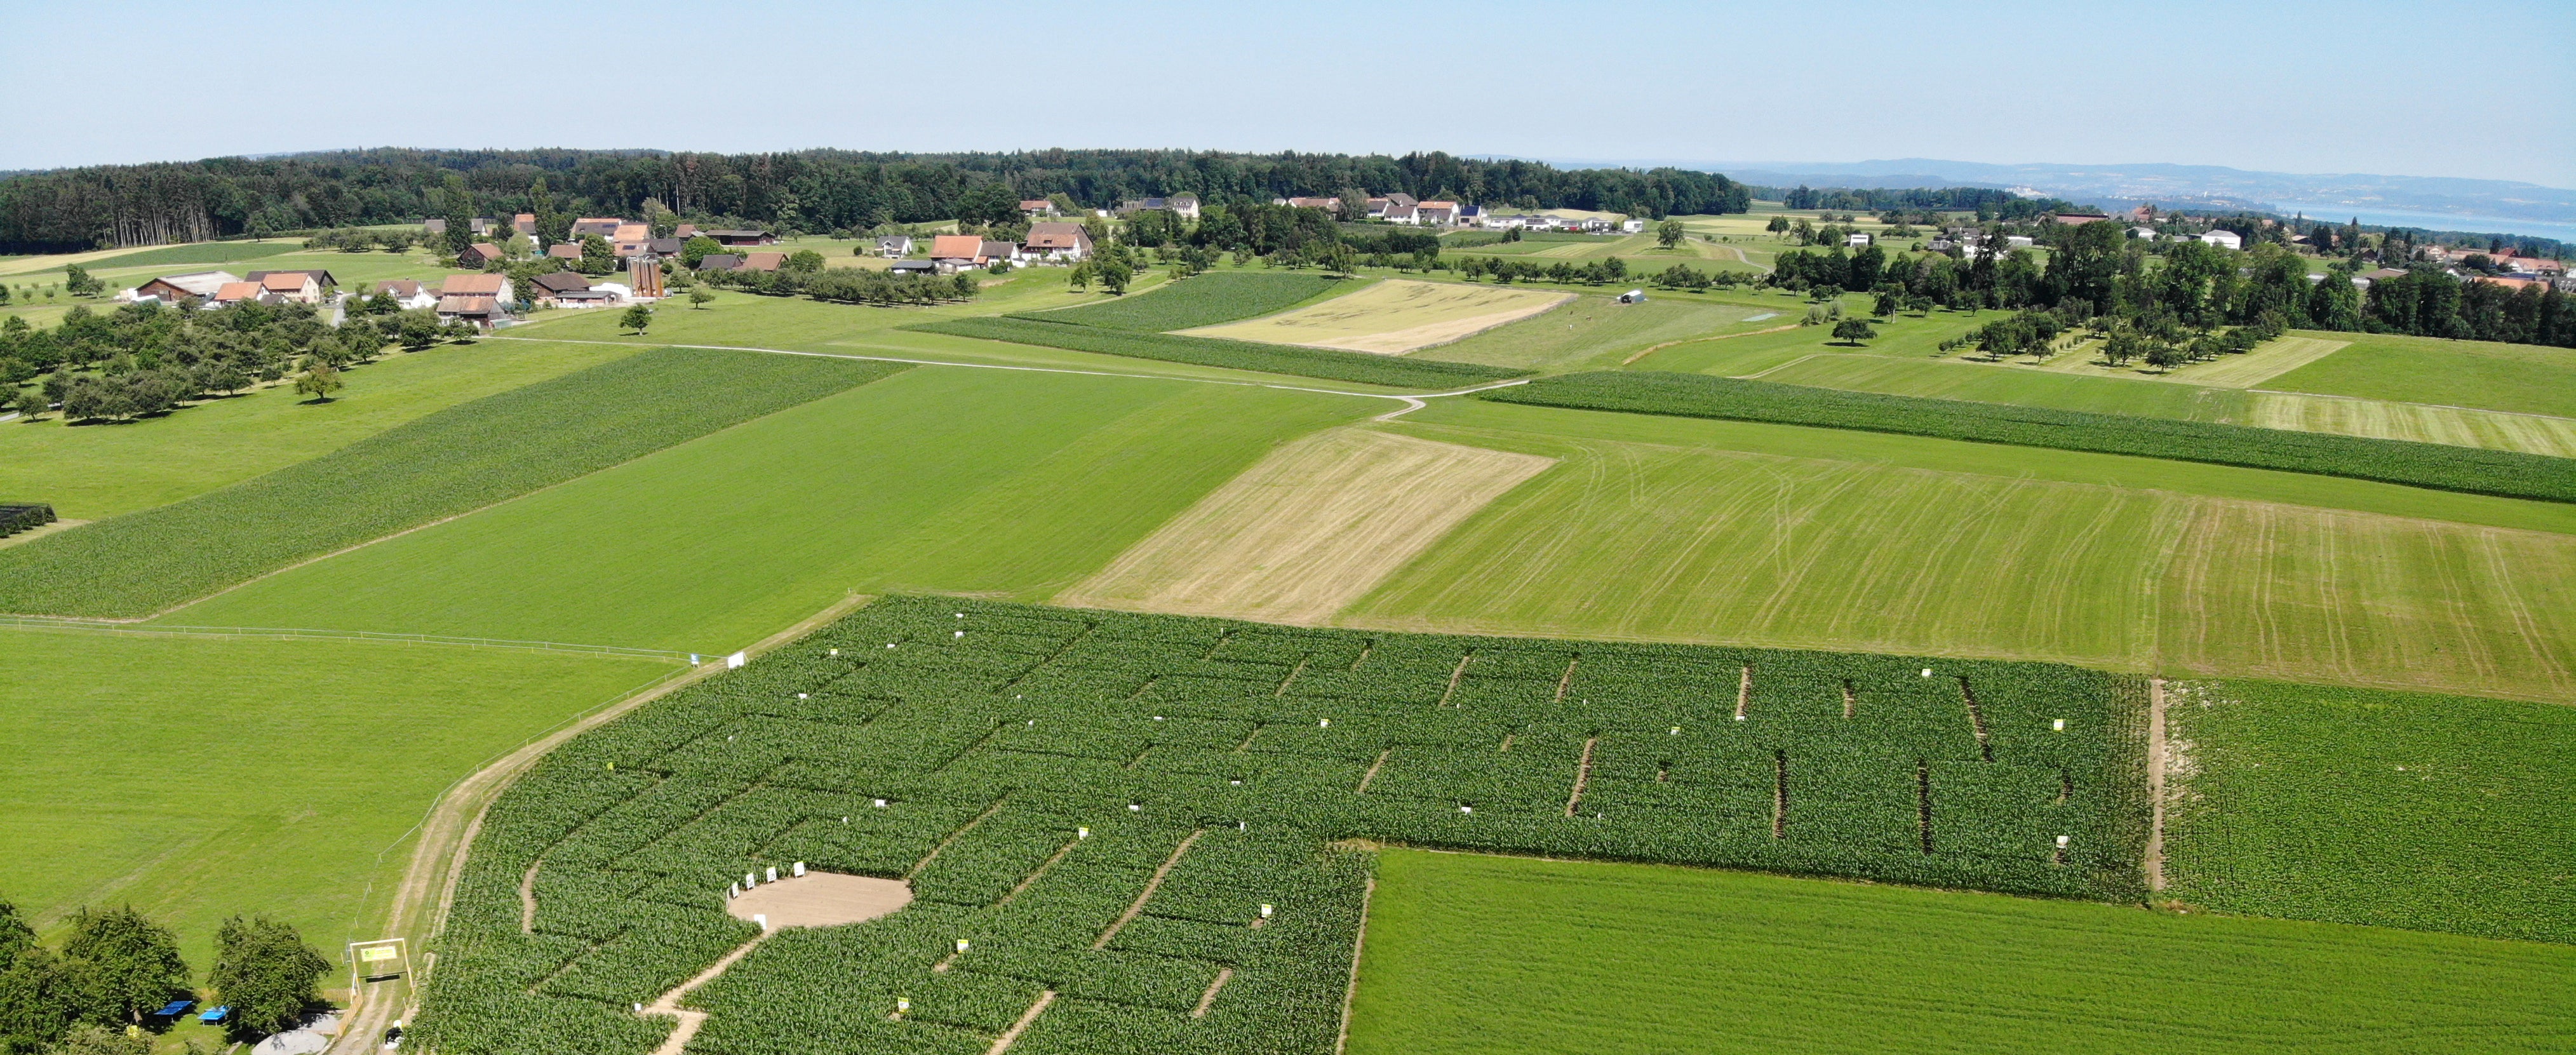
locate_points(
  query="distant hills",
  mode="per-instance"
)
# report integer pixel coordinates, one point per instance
(2441, 203)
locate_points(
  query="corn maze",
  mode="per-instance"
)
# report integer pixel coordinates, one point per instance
(1144, 829)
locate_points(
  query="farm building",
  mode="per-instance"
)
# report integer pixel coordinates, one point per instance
(914, 267)
(478, 255)
(1308, 203)
(1059, 241)
(2143, 233)
(1854, 239)
(1185, 204)
(407, 293)
(992, 251)
(235, 293)
(720, 262)
(438, 225)
(957, 252)
(733, 238)
(762, 261)
(2223, 239)
(1639, 227)
(483, 311)
(321, 278)
(293, 287)
(603, 226)
(660, 247)
(551, 288)
(174, 288)
(1037, 207)
(630, 240)
(900, 245)
(524, 223)
(495, 286)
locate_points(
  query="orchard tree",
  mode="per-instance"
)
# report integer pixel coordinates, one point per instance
(1853, 331)
(1669, 233)
(122, 964)
(318, 382)
(636, 318)
(266, 973)
(699, 297)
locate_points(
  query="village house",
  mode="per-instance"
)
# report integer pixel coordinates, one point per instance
(1334, 204)
(1185, 204)
(685, 231)
(914, 267)
(2223, 239)
(525, 223)
(293, 287)
(1471, 216)
(603, 226)
(1632, 226)
(1377, 207)
(630, 240)
(1856, 239)
(732, 238)
(662, 247)
(479, 299)
(171, 289)
(895, 246)
(992, 251)
(1398, 212)
(564, 251)
(956, 252)
(1064, 242)
(480, 254)
(550, 288)
(1436, 213)
(720, 262)
(477, 225)
(236, 292)
(407, 294)
(2143, 234)
(762, 261)
(1035, 207)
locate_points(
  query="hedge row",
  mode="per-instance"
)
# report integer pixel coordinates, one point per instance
(450, 462)
(15, 518)
(994, 732)
(2510, 474)
(1327, 363)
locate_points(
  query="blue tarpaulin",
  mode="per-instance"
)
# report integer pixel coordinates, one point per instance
(174, 1008)
(216, 1015)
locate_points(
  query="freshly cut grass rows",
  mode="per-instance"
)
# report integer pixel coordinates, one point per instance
(1327, 363)
(2524, 378)
(2458, 426)
(1309, 530)
(1205, 300)
(2445, 813)
(1643, 534)
(1469, 955)
(1224, 757)
(2272, 359)
(447, 463)
(2506, 473)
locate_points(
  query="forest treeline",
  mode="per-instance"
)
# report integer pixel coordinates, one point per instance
(815, 190)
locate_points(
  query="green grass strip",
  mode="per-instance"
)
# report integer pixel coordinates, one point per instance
(198, 253)
(1326, 363)
(2510, 474)
(1203, 300)
(451, 462)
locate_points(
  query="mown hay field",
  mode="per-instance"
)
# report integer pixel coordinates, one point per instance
(1472, 954)
(940, 478)
(438, 465)
(2518, 377)
(2447, 813)
(1394, 316)
(1093, 809)
(198, 777)
(1309, 530)
(2249, 370)
(1595, 331)
(1671, 535)
(95, 471)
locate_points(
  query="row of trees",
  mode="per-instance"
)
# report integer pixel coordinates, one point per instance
(816, 190)
(116, 966)
(849, 285)
(147, 359)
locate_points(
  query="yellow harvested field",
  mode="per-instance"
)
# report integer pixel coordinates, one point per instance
(2459, 426)
(2272, 359)
(1393, 317)
(1308, 530)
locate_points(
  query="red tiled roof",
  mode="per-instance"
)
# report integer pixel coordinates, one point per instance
(236, 290)
(488, 285)
(955, 247)
(284, 281)
(461, 304)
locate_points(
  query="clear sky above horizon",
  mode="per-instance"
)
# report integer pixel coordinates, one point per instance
(2426, 88)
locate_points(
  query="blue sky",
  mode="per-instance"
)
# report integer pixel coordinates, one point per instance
(2421, 88)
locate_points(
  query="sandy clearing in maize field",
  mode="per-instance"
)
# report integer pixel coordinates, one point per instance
(1393, 317)
(821, 899)
(1308, 530)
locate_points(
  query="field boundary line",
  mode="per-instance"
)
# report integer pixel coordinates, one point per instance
(1793, 362)
(1652, 349)
(1012, 1035)
(455, 817)
(1027, 369)
(1151, 885)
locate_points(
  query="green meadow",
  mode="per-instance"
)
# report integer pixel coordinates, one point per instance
(2516, 377)
(996, 482)
(1716, 532)
(1472, 954)
(103, 470)
(197, 777)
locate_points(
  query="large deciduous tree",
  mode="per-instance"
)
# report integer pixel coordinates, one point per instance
(122, 964)
(266, 973)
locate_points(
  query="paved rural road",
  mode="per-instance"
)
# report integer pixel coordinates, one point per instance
(420, 904)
